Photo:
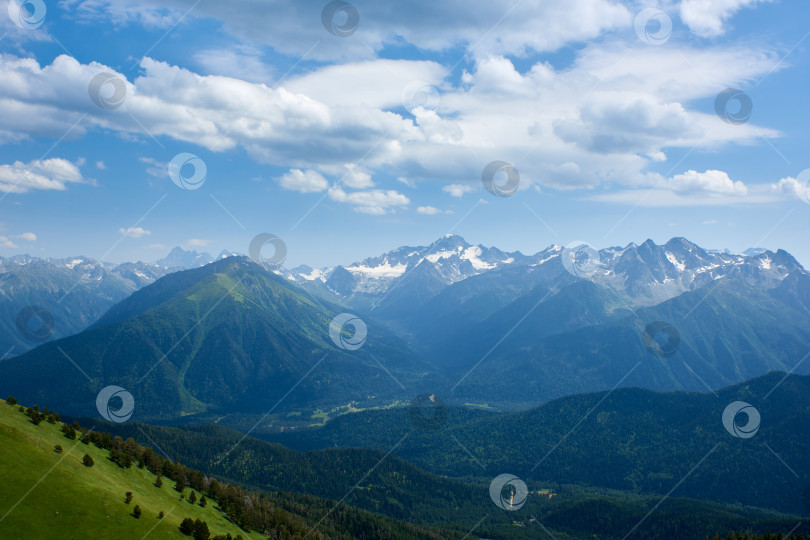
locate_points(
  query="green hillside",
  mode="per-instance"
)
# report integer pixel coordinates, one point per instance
(54, 495)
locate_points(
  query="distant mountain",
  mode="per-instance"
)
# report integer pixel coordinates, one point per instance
(224, 338)
(179, 258)
(584, 338)
(54, 298)
(384, 283)
(410, 286)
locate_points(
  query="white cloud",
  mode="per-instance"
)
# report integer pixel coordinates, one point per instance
(375, 201)
(793, 187)
(241, 62)
(357, 178)
(6, 242)
(100, 165)
(134, 232)
(307, 181)
(497, 26)
(155, 168)
(706, 18)
(406, 181)
(458, 190)
(691, 188)
(582, 136)
(711, 181)
(29, 236)
(197, 242)
(431, 210)
(49, 174)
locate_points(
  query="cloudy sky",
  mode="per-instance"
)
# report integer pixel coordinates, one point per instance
(128, 127)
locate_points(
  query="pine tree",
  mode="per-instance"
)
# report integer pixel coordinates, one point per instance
(158, 481)
(201, 531)
(203, 500)
(192, 498)
(187, 526)
(136, 511)
(161, 514)
(128, 498)
(87, 460)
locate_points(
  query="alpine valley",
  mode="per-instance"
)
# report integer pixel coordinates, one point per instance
(598, 377)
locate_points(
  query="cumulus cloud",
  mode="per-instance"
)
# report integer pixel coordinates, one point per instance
(48, 174)
(794, 187)
(431, 210)
(134, 232)
(711, 181)
(304, 181)
(5, 242)
(497, 26)
(357, 178)
(458, 190)
(691, 188)
(706, 18)
(375, 201)
(29, 236)
(581, 136)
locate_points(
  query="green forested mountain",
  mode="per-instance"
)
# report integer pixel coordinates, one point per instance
(629, 439)
(228, 337)
(373, 480)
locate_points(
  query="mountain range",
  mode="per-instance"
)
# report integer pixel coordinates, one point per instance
(233, 340)
(71, 293)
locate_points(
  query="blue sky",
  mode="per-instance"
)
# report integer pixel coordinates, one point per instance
(348, 146)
